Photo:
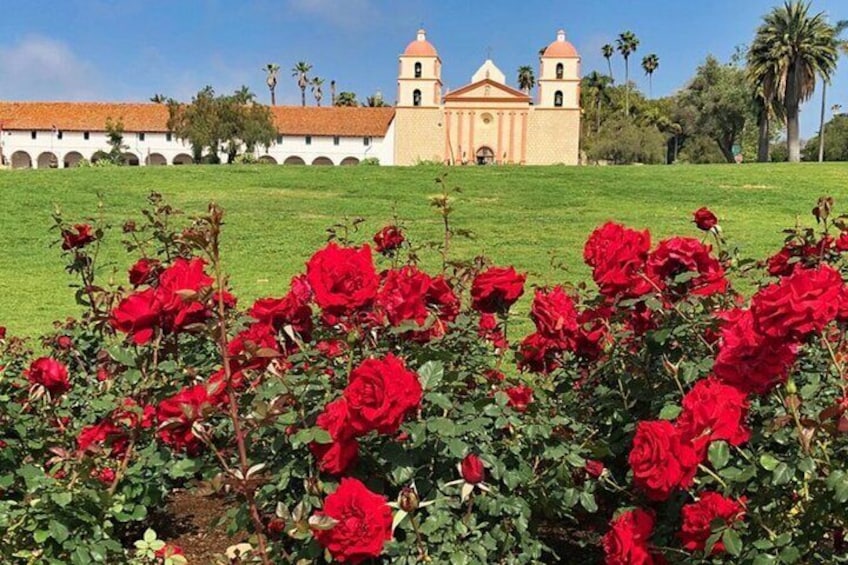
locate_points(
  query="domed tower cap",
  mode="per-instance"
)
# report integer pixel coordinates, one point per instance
(560, 49)
(420, 47)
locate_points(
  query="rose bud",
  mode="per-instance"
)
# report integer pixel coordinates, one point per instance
(2, 333)
(594, 468)
(276, 526)
(408, 500)
(388, 239)
(106, 476)
(64, 342)
(704, 219)
(472, 469)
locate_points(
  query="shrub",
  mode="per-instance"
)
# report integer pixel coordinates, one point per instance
(378, 410)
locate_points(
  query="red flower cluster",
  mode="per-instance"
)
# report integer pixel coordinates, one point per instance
(49, 373)
(363, 523)
(496, 289)
(388, 239)
(410, 295)
(699, 520)
(617, 256)
(627, 541)
(520, 397)
(177, 415)
(681, 256)
(291, 310)
(490, 330)
(115, 430)
(555, 317)
(714, 411)
(144, 271)
(77, 237)
(342, 279)
(379, 395)
(174, 303)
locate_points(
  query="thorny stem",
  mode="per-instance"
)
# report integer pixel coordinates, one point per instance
(422, 550)
(836, 364)
(123, 467)
(247, 488)
(708, 471)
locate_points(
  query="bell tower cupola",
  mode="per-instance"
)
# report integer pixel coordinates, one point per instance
(559, 75)
(420, 75)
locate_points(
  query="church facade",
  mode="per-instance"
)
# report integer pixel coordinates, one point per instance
(485, 122)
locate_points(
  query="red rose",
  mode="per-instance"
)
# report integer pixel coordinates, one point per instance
(178, 290)
(520, 397)
(626, 543)
(106, 476)
(403, 296)
(64, 342)
(472, 469)
(662, 461)
(291, 310)
(388, 239)
(555, 317)
(144, 271)
(699, 518)
(800, 304)
(714, 411)
(168, 550)
(781, 264)
(496, 289)
(337, 456)
(96, 435)
(77, 237)
(841, 243)
(243, 348)
(494, 376)
(380, 393)
(50, 374)
(177, 414)
(331, 348)
(685, 255)
(342, 278)
(538, 354)
(363, 523)
(443, 303)
(594, 468)
(2, 332)
(490, 330)
(592, 332)
(617, 256)
(704, 219)
(749, 360)
(137, 315)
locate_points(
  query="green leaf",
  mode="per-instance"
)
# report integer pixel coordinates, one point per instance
(40, 536)
(670, 411)
(430, 374)
(62, 498)
(58, 531)
(587, 501)
(442, 426)
(732, 542)
(768, 462)
(459, 558)
(719, 454)
(764, 559)
(781, 475)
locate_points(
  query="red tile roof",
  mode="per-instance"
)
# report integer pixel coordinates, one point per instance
(92, 116)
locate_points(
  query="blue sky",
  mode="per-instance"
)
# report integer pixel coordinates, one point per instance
(131, 49)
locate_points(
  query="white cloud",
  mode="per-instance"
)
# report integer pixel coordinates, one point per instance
(40, 68)
(346, 14)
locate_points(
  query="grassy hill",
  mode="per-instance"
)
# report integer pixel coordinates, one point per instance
(277, 216)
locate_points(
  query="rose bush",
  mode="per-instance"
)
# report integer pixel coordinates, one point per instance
(373, 410)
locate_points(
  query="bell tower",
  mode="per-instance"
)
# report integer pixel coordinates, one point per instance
(420, 75)
(559, 75)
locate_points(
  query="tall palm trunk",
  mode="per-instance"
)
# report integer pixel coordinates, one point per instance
(598, 117)
(793, 127)
(609, 66)
(763, 141)
(821, 121)
(303, 95)
(273, 98)
(627, 86)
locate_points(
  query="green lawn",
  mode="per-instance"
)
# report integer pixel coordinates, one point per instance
(277, 216)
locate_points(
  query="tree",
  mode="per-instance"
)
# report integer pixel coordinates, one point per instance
(115, 139)
(838, 29)
(650, 63)
(271, 71)
(597, 85)
(333, 92)
(716, 104)
(624, 141)
(836, 141)
(790, 48)
(210, 122)
(375, 101)
(158, 99)
(526, 78)
(346, 99)
(301, 72)
(317, 91)
(608, 51)
(627, 44)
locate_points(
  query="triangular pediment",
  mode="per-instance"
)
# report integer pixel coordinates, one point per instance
(487, 89)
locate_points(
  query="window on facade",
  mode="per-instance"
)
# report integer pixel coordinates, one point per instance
(169, 136)
(559, 70)
(558, 98)
(308, 140)
(33, 134)
(417, 70)
(366, 140)
(141, 136)
(335, 140)
(416, 97)
(279, 139)
(86, 135)
(58, 135)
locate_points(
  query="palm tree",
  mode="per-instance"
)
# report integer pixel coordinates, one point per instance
(608, 51)
(526, 78)
(158, 99)
(375, 101)
(840, 27)
(346, 99)
(317, 91)
(627, 44)
(650, 63)
(333, 92)
(792, 47)
(301, 72)
(272, 70)
(244, 96)
(598, 84)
